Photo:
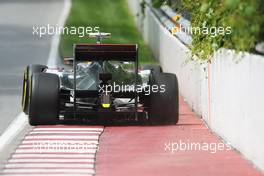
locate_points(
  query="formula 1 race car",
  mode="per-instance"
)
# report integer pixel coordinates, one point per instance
(104, 85)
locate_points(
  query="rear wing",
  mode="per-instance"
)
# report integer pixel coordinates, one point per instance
(105, 52)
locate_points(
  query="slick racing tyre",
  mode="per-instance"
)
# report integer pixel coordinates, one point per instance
(44, 99)
(164, 105)
(27, 81)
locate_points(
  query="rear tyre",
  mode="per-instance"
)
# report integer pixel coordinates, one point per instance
(44, 99)
(26, 83)
(164, 105)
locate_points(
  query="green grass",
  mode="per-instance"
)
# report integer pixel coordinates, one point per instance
(110, 16)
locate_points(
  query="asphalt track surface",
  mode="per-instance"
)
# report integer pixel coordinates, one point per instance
(148, 151)
(125, 150)
(19, 47)
(106, 151)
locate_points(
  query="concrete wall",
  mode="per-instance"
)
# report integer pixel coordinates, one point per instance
(237, 101)
(228, 93)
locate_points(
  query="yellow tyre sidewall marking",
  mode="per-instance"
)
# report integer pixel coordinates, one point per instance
(25, 89)
(30, 92)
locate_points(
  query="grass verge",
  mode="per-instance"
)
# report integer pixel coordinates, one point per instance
(110, 16)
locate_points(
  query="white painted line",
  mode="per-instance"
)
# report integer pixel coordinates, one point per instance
(50, 171)
(65, 132)
(37, 137)
(17, 125)
(57, 145)
(64, 174)
(55, 150)
(68, 129)
(56, 38)
(60, 141)
(50, 155)
(40, 160)
(49, 165)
